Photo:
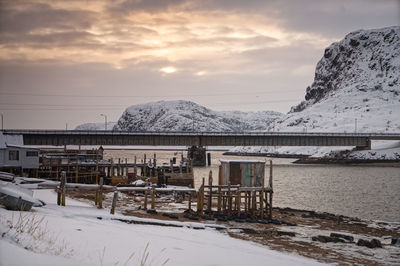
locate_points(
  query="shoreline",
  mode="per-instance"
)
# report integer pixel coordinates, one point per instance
(305, 159)
(292, 230)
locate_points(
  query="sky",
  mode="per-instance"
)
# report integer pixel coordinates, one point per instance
(64, 63)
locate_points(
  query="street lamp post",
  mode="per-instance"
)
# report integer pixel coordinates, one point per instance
(105, 122)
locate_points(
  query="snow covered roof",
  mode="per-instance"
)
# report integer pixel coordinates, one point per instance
(15, 141)
(2, 141)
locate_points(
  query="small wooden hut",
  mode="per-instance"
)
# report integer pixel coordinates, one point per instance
(246, 173)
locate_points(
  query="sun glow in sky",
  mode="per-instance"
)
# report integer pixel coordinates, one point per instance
(68, 61)
(168, 70)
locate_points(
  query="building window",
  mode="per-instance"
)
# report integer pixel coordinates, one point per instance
(32, 154)
(13, 155)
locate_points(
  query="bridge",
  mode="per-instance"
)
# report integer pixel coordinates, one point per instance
(123, 138)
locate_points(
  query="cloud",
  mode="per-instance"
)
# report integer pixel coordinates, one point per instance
(24, 17)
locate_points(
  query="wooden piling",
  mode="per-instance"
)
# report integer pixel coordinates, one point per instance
(153, 195)
(239, 200)
(229, 197)
(202, 197)
(254, 203)
(77, 170)
(261, 204)
(63, 190)
(114, 202)
(100, 193)
(219, 188)
(210, 191)
(271, 191)
(134, 168)
(245, 202)
(145, 200)
(97, 166)
(190, 201)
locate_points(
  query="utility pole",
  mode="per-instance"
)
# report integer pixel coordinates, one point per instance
(66, 126)
(2, 123)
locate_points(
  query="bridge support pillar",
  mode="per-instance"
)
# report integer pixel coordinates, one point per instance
(198, 155)
(366, 147)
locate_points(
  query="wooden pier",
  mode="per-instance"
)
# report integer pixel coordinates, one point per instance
(88, 167)
(205, 201)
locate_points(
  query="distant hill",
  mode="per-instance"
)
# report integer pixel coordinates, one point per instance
(189, 116)
(96, 126)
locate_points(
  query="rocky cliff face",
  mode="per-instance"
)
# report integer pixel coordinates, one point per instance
(356, 87)
(189, 116)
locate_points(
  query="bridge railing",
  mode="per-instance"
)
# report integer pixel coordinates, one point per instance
(188, 133)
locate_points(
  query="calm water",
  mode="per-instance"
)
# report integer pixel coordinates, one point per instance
(367, 192)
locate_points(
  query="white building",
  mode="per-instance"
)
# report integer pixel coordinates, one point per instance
(16, 158)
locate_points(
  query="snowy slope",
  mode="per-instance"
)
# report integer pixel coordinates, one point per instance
(85, 235)
(189, 116)
(356, 87)
(96, 126)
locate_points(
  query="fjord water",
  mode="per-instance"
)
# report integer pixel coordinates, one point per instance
(366, 192)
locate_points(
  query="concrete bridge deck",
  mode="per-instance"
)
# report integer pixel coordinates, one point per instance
(78, 137)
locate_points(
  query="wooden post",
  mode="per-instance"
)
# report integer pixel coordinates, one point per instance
(219, 187)
(210, 179)
(229, 197)
(254, 201)
(97, 166)
(200, 201)
(63, 190)
(171, 166)
(100, 193)
(114, 202)
(144, 165)
(59, 194)
(239, 200)
(270, 193)
(245, 202)
(145, 200)
(126, 166)
(119, 167)
(249, 200)
(155, 160)
(96, 197)
(153, 195)
(190, 201)
(134, 168)
(77, 170)
(262, 204)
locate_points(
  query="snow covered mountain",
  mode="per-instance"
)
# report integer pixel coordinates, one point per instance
(96, 126)
(189, 116)
(356, 87)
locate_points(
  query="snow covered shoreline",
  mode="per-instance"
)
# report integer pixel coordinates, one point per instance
(381, 152)
(80, 234)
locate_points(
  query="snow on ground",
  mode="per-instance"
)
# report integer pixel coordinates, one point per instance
(84, 235)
